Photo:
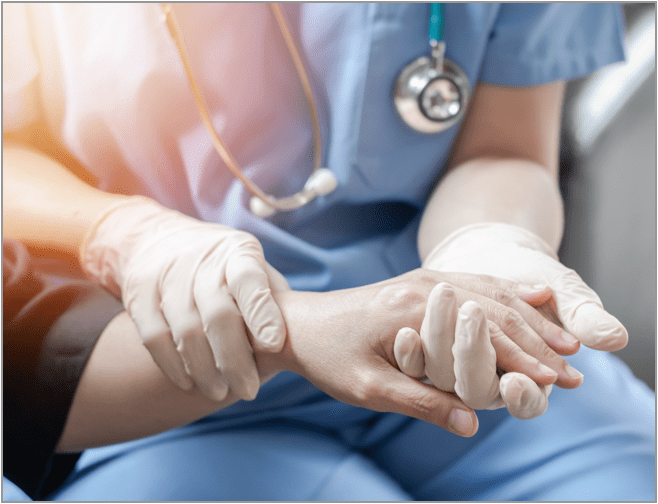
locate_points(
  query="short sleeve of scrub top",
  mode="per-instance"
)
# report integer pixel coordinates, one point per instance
(532, 44)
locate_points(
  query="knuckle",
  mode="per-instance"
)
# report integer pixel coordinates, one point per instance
(368, 388)
(511, 321)
(504, 297)
(400, 297)
(426, 403)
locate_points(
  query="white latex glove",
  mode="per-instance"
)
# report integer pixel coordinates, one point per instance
(454, 351)
(514, 253)
(190, 287)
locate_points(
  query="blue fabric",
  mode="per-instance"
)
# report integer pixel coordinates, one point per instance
(11, 492)
(295, 443)
(365, 231)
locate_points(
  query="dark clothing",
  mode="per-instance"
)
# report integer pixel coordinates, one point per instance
(50, 326)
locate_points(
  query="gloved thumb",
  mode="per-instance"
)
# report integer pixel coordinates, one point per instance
(408, 352)
(582, 314)
(523, 398)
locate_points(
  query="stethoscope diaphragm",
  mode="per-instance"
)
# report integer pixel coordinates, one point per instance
(431, 93)
(428, 99)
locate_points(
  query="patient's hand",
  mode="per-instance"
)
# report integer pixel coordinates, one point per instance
(343, 342)
(455, 352)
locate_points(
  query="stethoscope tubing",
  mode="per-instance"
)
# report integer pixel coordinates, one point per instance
(408, 98)
(288, 203)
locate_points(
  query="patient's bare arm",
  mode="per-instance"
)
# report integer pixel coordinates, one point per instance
(342, 341)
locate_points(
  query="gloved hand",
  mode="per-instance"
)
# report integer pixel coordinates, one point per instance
(455, 352)
(192, 288)
(514, 253)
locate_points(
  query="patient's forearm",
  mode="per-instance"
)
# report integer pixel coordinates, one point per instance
(123, 394)
(341, 341)
(44, 204)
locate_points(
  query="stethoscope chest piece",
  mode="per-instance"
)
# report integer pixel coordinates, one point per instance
(431, 93)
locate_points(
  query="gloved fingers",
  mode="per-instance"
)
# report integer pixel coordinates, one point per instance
(277, 281)
(397, 393)
(249, 285)
(144, 309)
(227, 336)
(408, 352)
(523, 398)
(582, 313)
(476, 381)
(193, 347)
(437, 333)
(515, 327)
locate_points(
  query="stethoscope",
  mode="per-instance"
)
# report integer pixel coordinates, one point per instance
(431, 94)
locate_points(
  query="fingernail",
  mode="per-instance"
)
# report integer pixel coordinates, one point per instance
(461, 422)
(576, 375)
(529, 289)
(570, 339)
(547, 371)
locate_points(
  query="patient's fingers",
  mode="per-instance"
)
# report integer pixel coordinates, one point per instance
(476, 381)
(523, 398)
(438, 335)
(408, 351)
(512, 358)
(401, 394)
(517, 329)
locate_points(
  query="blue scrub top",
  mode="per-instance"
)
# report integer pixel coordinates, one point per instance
(127, 112)
(366, 230)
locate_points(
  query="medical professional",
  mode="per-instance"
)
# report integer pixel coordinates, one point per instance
(108, 83)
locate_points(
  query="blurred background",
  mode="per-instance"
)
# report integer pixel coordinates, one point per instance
(608, 164)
